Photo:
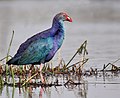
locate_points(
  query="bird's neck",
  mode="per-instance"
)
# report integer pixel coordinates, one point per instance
(58, 33)
(57, 26)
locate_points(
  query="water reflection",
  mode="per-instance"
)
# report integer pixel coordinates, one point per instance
(81, 91)
(1, 89)
(72, 87)
(78, 91)
(13, 91)
(93, 20)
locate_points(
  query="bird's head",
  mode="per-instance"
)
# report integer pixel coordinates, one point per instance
(63, 17)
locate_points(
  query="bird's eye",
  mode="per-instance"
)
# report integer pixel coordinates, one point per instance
(64, 15)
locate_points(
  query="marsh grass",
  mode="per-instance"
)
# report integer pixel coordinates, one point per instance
(20, 74)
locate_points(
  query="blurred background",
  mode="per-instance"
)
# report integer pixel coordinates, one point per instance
(97, 21)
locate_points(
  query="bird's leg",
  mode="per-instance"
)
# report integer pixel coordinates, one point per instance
(29, 75)
(30, 72)
(41, 76)
(41, 66)
(32, 67)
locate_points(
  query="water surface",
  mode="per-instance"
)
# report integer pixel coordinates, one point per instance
(96, 21)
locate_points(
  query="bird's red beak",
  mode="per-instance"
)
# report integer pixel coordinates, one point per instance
(69, 19)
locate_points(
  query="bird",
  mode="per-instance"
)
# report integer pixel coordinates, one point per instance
(41, 47)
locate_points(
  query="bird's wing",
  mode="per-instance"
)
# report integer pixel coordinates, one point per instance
(30, 40)
(36, 51)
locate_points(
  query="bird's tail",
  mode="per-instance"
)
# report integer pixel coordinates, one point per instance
(9, 62)
(13, 61)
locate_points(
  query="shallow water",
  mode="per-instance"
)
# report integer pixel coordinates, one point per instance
(105, 86)
(96, 21)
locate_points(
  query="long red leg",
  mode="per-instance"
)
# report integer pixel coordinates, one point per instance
(41, 76)
(30, 73)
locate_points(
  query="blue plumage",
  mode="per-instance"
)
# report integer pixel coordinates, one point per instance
(41, 47)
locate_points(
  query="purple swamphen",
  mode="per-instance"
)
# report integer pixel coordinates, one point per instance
(41, 47)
